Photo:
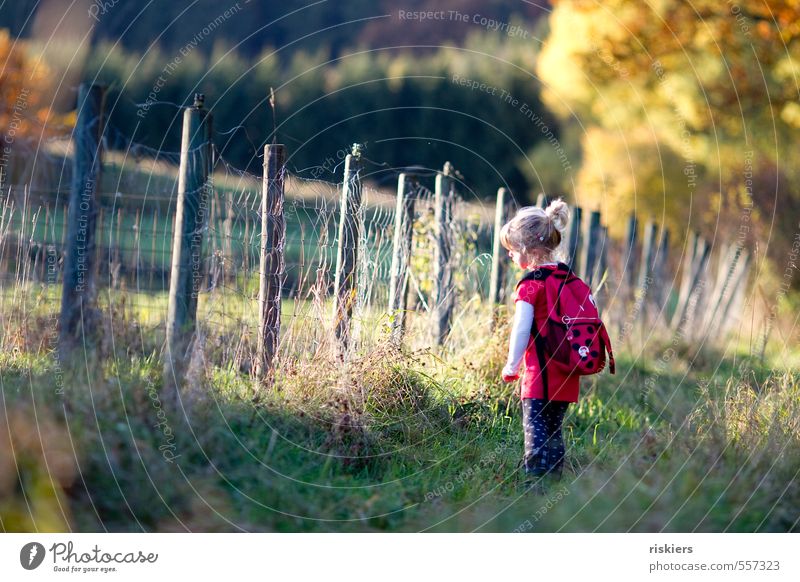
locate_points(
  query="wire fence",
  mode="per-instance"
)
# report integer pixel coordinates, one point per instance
(642, 285)
(135, 231)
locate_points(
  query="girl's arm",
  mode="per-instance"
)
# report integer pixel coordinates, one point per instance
(520, 336)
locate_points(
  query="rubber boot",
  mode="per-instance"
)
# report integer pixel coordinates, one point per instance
(555, 458)
(535, 457)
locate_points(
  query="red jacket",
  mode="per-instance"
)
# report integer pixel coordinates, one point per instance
(559, 387)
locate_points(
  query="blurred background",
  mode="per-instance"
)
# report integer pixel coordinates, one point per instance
(683, 112)
(681, 116)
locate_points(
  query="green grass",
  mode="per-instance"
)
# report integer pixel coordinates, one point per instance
(419, 440)
(395, 442)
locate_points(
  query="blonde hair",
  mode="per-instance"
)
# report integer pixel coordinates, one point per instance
(536, 232)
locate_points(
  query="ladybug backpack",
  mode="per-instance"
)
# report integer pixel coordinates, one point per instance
(574, 338)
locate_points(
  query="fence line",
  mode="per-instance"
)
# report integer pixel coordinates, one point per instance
(272, 256)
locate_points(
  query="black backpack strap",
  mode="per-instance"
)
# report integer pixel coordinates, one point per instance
(538, 341)
(566, 277)
(536, 275)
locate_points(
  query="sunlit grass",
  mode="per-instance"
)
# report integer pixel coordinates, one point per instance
(392, 440)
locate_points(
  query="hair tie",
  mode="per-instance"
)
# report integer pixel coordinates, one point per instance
(541, 238)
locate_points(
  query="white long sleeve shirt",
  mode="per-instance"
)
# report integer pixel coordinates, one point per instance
(520, 336)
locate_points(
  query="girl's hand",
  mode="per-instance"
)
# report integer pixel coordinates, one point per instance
(509, 375)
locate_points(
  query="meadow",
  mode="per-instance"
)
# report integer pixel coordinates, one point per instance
(682, 438)
(689, 435)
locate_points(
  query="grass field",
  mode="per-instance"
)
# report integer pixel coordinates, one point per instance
(394, 441)
(681, 439)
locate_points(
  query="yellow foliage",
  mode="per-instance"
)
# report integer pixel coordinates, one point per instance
(715, 66)
(25, 83)
(631, 171)
(673, 92)
(559, 62)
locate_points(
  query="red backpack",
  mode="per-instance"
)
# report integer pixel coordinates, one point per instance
(574, 338)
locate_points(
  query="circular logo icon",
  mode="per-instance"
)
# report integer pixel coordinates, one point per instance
(31, 555)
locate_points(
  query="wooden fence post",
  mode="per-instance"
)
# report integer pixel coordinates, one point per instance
(701, 305)
(602, 259)
(78, 311)
(64, 215)
(117, 253)
(153, 238)
(496, 284)
(22, 238)
(136, 246)
(725, 274)
(574, 241)
(542, 200)
(213, 235)
(694, 267)
(347, 251)
(227, 241)
(186, 277)
(401, 255)
(643, 292)
(444, 300)
(592, 249)
(273, 236)
(51, 272)
(687, 273)
(737, 290)
(101, 258)
(660, 269)
(246, 247)
(41, 257)
(629, 260)
(648, 253)
(5, 215)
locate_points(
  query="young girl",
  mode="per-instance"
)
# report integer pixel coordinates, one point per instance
(531, 238)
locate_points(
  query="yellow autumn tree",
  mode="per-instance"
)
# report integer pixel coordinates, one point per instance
(693, 108)
(24, 88)
(25, 96)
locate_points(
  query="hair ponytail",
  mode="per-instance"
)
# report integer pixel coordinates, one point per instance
(558, 213)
